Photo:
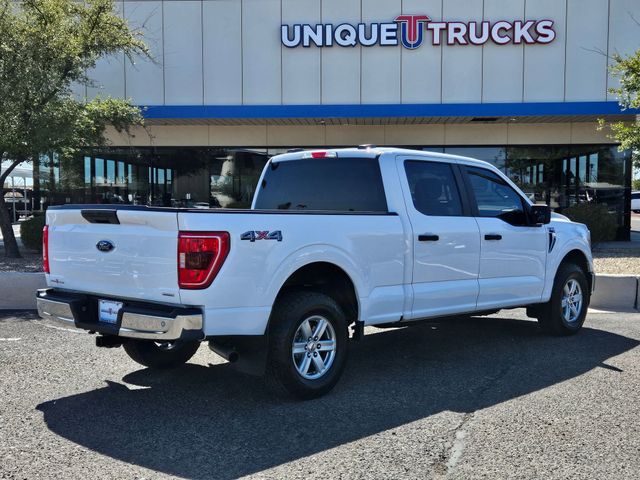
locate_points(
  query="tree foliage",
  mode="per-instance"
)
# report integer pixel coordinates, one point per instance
(627, 69)
(47, 46)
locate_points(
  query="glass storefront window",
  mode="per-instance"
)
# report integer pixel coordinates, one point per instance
(120, 179)
(494, 155)
(582, 169)
(111, 172)
(87, 171)
(234, 175)
(535, 169)
(209, 177)
(99, 175)
(593, 167)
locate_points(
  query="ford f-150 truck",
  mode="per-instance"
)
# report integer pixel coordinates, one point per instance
(334, 239)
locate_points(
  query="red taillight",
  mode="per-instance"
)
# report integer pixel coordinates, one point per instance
(45, 249)
(200, 256)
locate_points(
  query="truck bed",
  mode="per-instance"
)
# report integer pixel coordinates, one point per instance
(370, 247)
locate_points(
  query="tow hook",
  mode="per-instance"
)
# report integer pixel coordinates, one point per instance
(109, 341)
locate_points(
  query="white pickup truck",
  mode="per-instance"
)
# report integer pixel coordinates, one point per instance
(335, 238)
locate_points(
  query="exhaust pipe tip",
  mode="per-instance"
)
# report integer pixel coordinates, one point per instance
(228, 353)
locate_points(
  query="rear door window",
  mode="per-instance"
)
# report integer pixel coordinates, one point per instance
(433, 187)
(334, 184)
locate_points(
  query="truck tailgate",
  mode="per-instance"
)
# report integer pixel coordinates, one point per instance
(142, 263)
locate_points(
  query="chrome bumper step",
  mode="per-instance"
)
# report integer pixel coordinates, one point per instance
(135, 320)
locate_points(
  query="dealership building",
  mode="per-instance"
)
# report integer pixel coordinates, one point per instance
(519, 83)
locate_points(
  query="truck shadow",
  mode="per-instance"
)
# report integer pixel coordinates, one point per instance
(211, 422)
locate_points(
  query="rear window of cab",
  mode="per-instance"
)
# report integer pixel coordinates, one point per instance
(329, 184)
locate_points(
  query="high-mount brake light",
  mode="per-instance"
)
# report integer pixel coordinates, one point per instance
(45, 249)
(319, 154)
(200, 257)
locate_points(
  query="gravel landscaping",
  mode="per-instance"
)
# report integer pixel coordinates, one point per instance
(617, 261)
(30, 262)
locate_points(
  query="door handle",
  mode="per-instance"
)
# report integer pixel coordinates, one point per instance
(492, 236)
(428, 238)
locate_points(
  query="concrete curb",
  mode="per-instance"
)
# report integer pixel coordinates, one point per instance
(613, 292)
(616, 293)
(18, 290)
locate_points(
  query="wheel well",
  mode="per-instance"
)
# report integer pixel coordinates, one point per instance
(325, 278)
(580, 259)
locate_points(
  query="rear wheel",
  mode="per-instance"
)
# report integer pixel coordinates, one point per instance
(161, 355)
(565, 312)
(308, 339)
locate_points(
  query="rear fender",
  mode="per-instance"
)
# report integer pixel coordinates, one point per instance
(313, 254)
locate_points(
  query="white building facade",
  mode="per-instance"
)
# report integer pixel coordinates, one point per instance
(521, 83)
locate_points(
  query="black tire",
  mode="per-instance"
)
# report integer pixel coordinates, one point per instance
(289, 313)
(550, 315)
(161, 356)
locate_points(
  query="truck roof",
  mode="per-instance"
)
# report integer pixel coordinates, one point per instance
(367, 151)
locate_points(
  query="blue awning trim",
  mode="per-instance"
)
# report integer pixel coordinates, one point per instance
(385, 110)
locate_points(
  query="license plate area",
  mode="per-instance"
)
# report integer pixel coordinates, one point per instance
(108, 311)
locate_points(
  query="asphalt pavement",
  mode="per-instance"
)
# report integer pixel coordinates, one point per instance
(487, 397)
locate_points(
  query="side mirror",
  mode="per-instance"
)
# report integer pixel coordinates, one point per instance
(539, 214)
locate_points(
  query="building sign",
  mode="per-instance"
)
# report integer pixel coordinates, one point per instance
(413, 30)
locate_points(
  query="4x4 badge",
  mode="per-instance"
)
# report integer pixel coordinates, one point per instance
(254, 235)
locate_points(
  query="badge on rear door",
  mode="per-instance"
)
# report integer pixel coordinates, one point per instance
(105, 246)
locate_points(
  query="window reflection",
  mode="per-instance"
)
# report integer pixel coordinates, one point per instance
(209, 177)
(494, 155)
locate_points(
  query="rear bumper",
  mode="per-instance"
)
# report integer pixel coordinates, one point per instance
(135, 320)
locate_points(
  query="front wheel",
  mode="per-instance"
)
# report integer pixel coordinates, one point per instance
(308, 340)
(566, 311)
(161, 355)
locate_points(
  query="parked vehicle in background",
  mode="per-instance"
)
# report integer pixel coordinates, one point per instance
(335, 240)
(635, 202)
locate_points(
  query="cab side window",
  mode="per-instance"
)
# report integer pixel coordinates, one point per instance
(433, 188)
(495, 198)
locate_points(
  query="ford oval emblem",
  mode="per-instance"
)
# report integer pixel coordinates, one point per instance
(105, 246)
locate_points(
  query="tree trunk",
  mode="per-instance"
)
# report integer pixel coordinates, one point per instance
(10, 244)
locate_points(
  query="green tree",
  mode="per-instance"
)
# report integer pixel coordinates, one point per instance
(627, 69)
(47, 46)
